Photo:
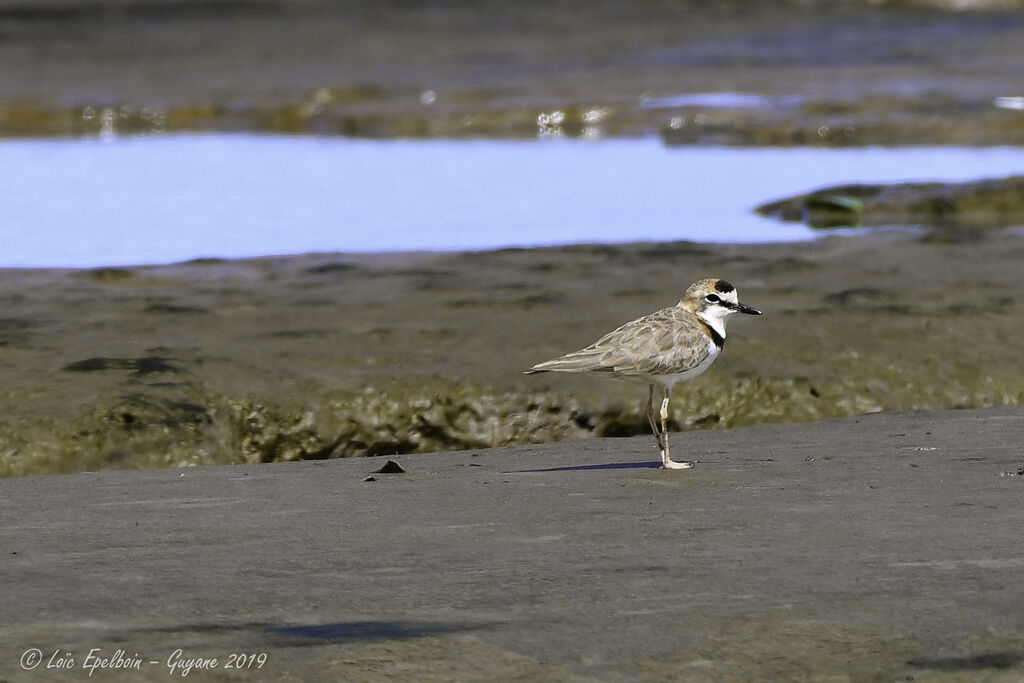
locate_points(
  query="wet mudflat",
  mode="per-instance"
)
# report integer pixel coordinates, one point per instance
(331, 355)
(821, 73)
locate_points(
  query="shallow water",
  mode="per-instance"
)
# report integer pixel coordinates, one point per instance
(135, 200)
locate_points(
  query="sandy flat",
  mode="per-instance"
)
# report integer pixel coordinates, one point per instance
(880, 547)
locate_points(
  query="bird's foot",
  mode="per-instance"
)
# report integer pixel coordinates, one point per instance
(668, 463)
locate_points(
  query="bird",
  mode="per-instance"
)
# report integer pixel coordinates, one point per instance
(663, 348)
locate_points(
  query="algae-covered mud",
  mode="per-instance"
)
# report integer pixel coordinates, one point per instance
(335, 355)
(952, 209)
(823, 72)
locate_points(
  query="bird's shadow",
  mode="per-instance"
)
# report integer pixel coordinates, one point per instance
(606, 466)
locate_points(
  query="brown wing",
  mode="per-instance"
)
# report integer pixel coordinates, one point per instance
(664, 342)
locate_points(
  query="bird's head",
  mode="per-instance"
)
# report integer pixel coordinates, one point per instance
(714, 300)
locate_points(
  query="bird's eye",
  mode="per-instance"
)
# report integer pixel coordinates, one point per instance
(712, 298)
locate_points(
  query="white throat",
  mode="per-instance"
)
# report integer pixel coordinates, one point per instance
(715, 322)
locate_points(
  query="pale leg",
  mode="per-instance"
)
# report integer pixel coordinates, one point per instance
(652, 421)
(666, 461)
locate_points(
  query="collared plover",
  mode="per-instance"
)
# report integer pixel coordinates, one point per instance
(668, 346)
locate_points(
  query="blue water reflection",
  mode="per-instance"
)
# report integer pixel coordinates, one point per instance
(168, 198)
